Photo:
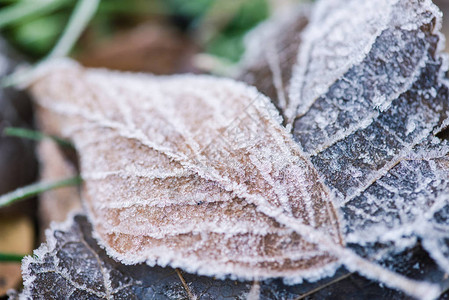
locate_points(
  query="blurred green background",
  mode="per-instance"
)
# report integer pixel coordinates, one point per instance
(218, 26)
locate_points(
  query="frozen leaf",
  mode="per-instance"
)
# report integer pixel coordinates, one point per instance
(367, 92)
(197, 172)
(366, 123)
(202, 189)
(270, 67)
(71, 265)
(378, 102)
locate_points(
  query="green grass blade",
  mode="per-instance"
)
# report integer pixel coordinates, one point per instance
(34, 135)
(17, 12)
(35, 189)
(9, 257)
(82, 14)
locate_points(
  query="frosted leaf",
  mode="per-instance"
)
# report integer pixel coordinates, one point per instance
(400, 203)
(367, 95)
(270, 67)
(366, 123)
(363, 130)
(91, 274)
(350, 51)
(197, 172)
(217, 190)
(392, 64)
(72, 266)
(367, 91)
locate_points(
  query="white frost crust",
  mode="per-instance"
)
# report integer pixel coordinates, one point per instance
(307, 85)
(280, 214)
(334, 42)
(267, 34)
(45, 248)
(266, 110)
(416, 211)
(265, 31)
(434, 248)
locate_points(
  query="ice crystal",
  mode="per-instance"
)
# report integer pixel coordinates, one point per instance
(363, 128)
(197, 172)
(270, 67)
(71, 265)
(367, 93)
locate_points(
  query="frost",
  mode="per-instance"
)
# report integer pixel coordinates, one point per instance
(270, 67)
(392, 65)
(196, 172)
(83, 279)
(367, 132)
(71, 265)
(68, 267)
(368, 93)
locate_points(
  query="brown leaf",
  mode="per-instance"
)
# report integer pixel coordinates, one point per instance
(170, 179)
(197, 173)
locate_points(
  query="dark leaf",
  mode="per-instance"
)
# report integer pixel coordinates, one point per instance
(71, 265)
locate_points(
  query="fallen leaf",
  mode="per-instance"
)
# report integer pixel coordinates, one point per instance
(367, 129)
(72, 265)
(198, 173)
(187, 187)
(221, 190)
(368, 93)
(56, 271)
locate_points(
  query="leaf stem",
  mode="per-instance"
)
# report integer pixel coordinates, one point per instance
(311, 292)
(184, 284)
(35, 189)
